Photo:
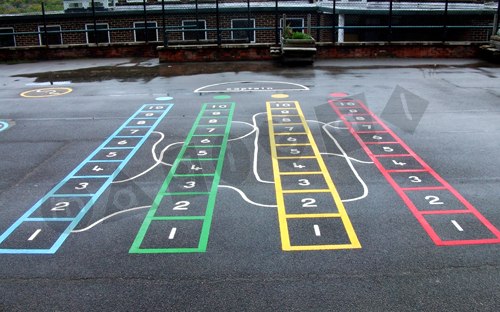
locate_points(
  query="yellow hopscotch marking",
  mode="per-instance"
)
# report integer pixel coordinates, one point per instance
(289, 133)
(299, 172)
(305, 191)
(296, 157)
(282, 215)
(294, 144)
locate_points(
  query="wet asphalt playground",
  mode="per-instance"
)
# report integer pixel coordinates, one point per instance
(349, 185)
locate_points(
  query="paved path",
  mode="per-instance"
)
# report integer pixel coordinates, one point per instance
(367, 185)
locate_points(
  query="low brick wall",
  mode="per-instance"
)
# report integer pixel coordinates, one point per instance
(241, 52)
(78, 51)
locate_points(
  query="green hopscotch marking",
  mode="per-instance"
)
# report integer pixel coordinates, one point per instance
(212, 193)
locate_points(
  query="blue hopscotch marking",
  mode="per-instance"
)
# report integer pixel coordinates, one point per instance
(22, 238)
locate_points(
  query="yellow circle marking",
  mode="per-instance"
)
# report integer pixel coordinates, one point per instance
(46, 92)
(280, 96)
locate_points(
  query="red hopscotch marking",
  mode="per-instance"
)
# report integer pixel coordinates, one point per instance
(392, 155)
(380, 143)
(424, 188)
(381, 131)
(401, 191)
(439, 212)
(407, 170)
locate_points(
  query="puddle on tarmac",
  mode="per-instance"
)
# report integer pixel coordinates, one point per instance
(148, 69)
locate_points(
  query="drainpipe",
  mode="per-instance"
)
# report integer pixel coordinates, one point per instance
(340, 33)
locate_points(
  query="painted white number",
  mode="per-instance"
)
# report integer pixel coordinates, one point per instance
(286, 120)
(181, 205)
(360, 118)
(387, 149)
(123, 142)
(155, 107)
(97, 169)
(202, 153)
(294, 151)
(211, 129)
(205, 141)
(291, 139)
(367, 126)
(219, 106)
(433, 200)
(298, 166)
(377, 137)
(414, 179)
(141, 122)
(308, 203)
(350, 103)
(215, 113)
(134, 131)
(304, 182)
(149, 114)
(190, 184)
(289, 128)
(193, 167)
(111, 154)
(81, 186)
(398, 163)
(353, 110)
(212, 121)
(60, 206)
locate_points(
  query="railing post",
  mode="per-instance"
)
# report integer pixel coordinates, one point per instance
(45, 34)
(276, 23)
(497, 19)
(95, 23)
(165, 36)
(445, 21)
(248, 22)
(334, 22)
(145, 22)
(217, 19)
(197, 20)
(389, 36)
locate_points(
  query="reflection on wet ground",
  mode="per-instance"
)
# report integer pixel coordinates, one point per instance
(147, 70)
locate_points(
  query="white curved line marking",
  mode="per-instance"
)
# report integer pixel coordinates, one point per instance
(256, 150)
(243, 136)
(157, 159)
(351, 158)
(107, 217)
(245, 198)
(347, 158)
(302, 87)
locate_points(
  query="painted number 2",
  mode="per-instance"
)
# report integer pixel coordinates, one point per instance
(433, 200)
(181, 205)
(308, 203)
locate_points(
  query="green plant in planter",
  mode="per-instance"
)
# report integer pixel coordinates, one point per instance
(288, 33)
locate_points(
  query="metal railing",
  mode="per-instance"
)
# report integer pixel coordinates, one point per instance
(335, 21)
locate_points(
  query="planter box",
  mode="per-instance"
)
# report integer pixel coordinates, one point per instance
(495, 41)
(298, 50)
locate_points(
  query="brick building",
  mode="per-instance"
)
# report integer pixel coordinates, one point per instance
(191, 21)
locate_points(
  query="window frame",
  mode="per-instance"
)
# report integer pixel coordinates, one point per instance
(13, 36)
(91, 27)
(252, 20)
(41, 34)
(291, 18)
(149, 22)
(199, 21)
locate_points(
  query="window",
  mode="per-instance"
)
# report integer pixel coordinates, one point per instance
(53, 37)
(7, 38)
(139, 33)
(243, 34)
(194, 35)
(297, 24)
(102, 36)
